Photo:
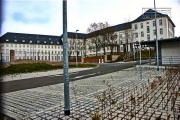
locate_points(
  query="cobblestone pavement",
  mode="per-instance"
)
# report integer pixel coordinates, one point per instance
(47, 102)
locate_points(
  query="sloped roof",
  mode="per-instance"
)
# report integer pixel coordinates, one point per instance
(149, 15)
(122, 26)
(9, 37)
(73, 35)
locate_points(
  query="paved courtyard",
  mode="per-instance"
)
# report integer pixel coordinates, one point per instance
(86, 97)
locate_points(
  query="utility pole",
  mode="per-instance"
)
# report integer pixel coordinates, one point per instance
(157, 52)
(65, 59)
(76, 49)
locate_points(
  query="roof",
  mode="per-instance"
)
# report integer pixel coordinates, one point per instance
(122, 26)
(25, 38)
(73, 35)
(150, 14)
(167, 40)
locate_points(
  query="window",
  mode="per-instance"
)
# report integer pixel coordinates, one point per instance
(19, 45)
(7, 58)
(27, 46)
(23, 45)
(136, 27)
(15, 40)
(136, 35)
(23, 40)
(148, 37)
(16, 45)
(7, 45)
(147, 22)
(154, 32)
(154, 23)
(161, 31)
(142, 34)
(160, 22)
(2, 45)
(19, 51)
(120, 35)
(7, 51)
(11, 45)
(148, 29)
(141, 25)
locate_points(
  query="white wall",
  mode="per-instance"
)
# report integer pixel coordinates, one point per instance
(171, 53)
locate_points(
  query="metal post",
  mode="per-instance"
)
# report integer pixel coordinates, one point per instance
(1, 58)
(49, 57)
(150, 55)
(157, 52)
(76, 49)
(33, 51)
(140, 59)
(65, 59)
(25, 54)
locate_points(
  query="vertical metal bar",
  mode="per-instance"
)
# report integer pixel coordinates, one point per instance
(76, 49)
(65, 59)
(1, 58)
(157, 52)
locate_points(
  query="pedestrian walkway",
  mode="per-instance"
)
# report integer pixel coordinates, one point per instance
(86, 97)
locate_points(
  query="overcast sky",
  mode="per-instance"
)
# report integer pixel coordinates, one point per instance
(45, 16)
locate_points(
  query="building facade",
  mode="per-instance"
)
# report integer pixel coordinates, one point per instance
(46, 47)
(31, 46)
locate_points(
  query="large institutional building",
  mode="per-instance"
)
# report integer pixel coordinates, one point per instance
(47, 47)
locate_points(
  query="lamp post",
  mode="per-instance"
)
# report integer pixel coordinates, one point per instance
(65, 60)
(76, 49)
(157, 52)
(136, 45)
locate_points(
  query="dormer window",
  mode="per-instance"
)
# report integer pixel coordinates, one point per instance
(49, 38)
(51, 42)
(15, 40)
(38, 41)
(7, 39)
(57, 42)
(30, 41)
(44, 41)
(23, 40)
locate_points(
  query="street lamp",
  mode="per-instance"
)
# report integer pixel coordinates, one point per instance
(76, 49)
(136, 45)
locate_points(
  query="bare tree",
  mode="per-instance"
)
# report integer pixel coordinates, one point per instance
(110, 37)
(128, 36)
(94, 33)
